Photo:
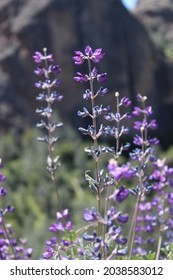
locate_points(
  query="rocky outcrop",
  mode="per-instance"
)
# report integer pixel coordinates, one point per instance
(133, 63)
(157, 17)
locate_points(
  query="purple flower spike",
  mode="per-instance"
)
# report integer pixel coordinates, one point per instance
(90, 215)
(121, 194)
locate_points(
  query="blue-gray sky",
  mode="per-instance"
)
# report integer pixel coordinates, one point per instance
(130, 4)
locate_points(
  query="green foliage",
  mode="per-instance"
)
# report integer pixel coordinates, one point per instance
(30, 189)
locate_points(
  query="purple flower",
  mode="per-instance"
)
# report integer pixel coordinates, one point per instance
(138, 125)
(57, 227)
(39, 70)
(120, 172)
(120, 194)
(123, 218)
(48, 254)
(101, 78)
(3, 191)
(81, 78)
(29, 252)
(95, 56)
(78, 58)
(154, 141)
(125, 101)
(69, 225)
(90, 215)
(153, 125)
(102, 91)
(87, 95)
(137, 140)
(38, 57)
(136, 112)
(2, 177)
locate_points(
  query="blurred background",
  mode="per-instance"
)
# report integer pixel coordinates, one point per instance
(137, 37)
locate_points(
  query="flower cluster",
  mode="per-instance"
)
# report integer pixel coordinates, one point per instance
(61, 249)
(10, 247)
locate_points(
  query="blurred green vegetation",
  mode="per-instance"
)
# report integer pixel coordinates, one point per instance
(30, 190)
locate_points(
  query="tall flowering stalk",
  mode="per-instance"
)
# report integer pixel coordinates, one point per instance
(49, 96)
(107, 232)
(142, 156)
(91, 94)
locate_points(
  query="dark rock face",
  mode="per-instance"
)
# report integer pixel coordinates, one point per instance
(132, 62)
(157, 17)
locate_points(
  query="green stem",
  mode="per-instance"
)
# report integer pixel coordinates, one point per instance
(131, 237)
(159, 247)
(98, 195)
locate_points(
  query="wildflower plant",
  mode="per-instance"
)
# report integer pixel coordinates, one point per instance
(48, 96)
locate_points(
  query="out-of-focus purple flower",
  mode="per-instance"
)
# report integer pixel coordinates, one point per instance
(79, 57)
(39, 57)
(120, 194)
(64, 214)
(125, 101)
(66, 242)
(54, 69)
(10, 209)
(81, 78)
(3, 191)
(154, 141)
(138, 140)
(170, 198)
(138, 125)
(95, 56)
(69, 225)
(2, 177)
(87, 95)
(123, 218)
(29, 252)
(102, 78)
(90, 215)
(153, 125)
(136, 112)
(102, 91)
(57, 227)
(39, 70)
(49, 253)
(120, 172)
